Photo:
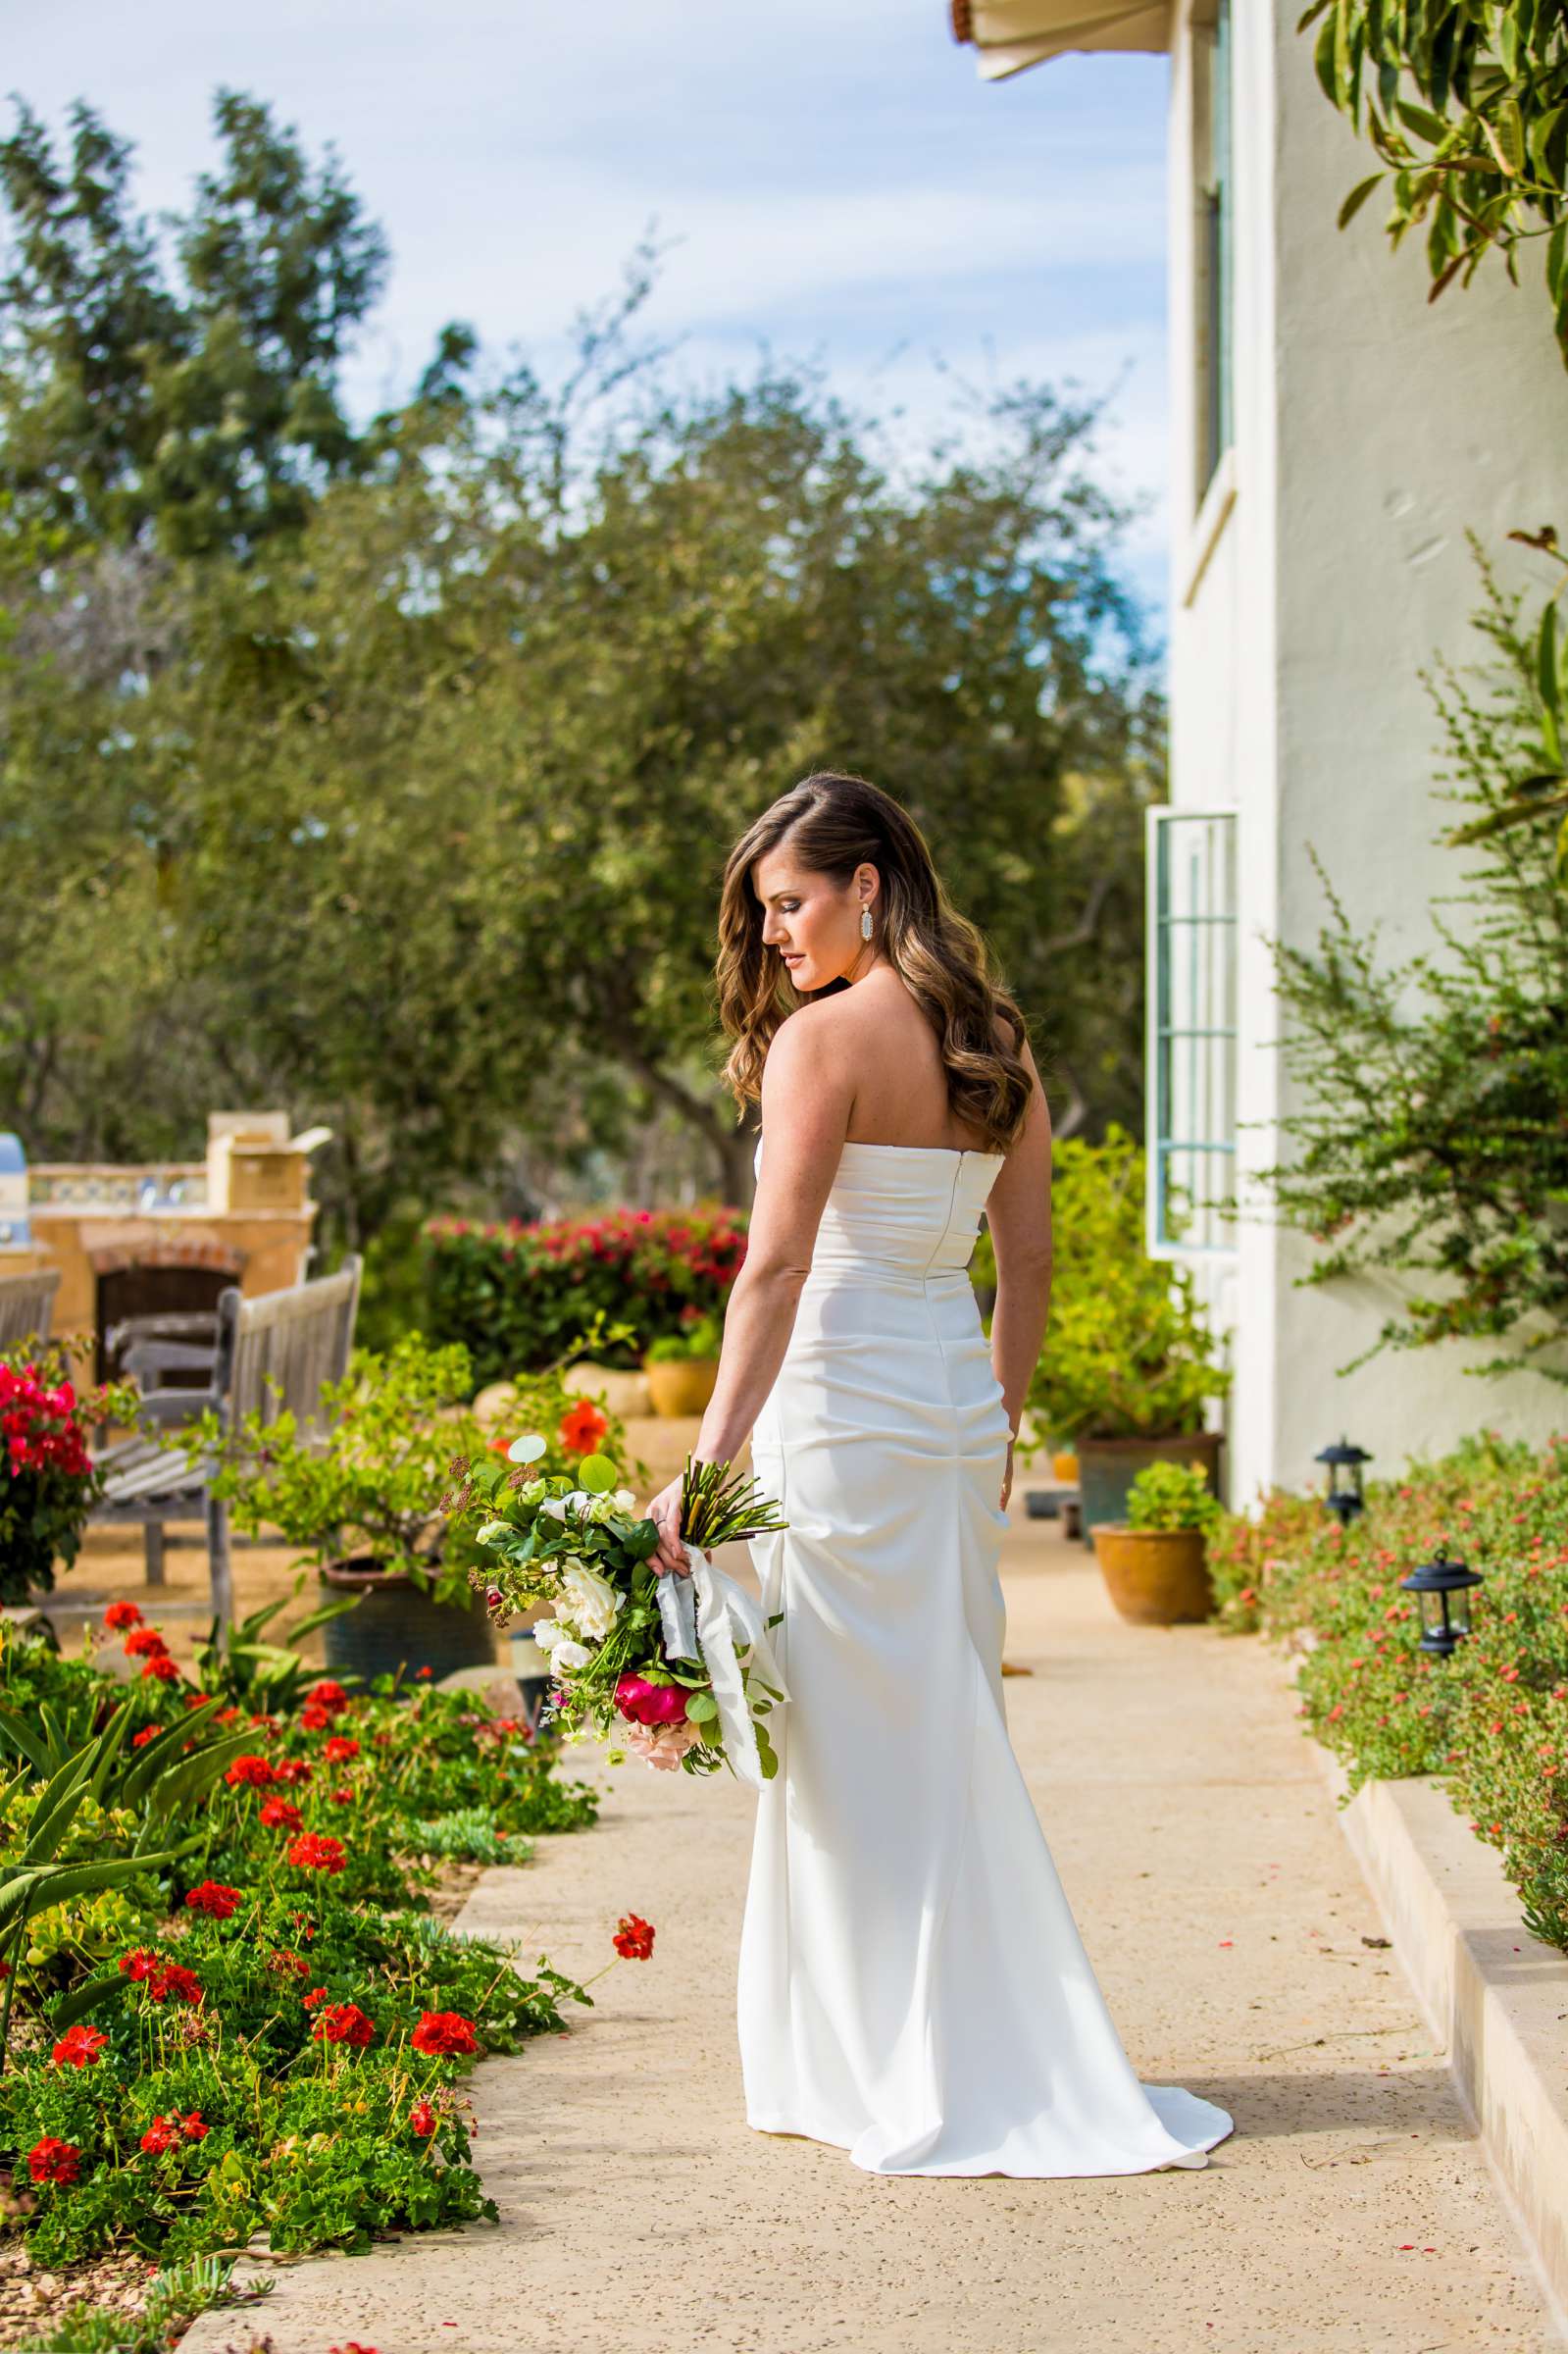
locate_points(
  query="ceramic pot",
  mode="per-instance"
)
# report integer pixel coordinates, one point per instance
(1107, 1469)
(398, 1625)
(681, 1385)
(1155, 1577)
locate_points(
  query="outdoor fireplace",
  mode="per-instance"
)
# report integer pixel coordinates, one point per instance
(165, 1238)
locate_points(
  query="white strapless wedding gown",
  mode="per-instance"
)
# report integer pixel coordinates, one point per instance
(912, 1983)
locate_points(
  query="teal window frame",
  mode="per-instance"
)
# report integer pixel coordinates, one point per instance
(1191, 1031)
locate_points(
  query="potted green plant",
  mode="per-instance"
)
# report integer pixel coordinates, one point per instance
(1156, 1567)
(1130, 1365)
(360, 1502)
(365, 1503)
(682, 1368)
(48, 1480)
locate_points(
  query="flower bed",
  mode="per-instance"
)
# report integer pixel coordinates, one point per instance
(518, 1295)
(1492, 1723)
(266, 2032)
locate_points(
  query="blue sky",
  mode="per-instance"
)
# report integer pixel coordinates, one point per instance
(835, 181)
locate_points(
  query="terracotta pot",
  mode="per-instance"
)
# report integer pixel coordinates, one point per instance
(1064, 1467)
(398, 1625)
(681, 1385)
(1107, 1469)
(1155, 1577)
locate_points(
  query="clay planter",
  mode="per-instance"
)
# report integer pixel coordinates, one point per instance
(1155, 1577)
(1107, 1469)
(1064, 1466)
(681, 1385)
(397, 1624)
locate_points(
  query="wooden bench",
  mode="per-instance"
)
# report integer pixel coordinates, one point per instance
(274, 1355)
(27, 1306)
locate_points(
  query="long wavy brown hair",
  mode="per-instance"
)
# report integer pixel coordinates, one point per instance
(834, 823)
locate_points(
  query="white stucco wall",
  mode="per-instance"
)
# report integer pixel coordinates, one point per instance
(1372, 430)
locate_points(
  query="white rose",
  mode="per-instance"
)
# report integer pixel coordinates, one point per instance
(623, 1499)
(547, 1632)
(567, 1655)
(591, 1601)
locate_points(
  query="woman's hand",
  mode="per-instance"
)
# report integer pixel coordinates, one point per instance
(665, 1510)
(1007, 1476)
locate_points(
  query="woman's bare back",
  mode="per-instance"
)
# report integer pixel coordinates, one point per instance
(900, 1083)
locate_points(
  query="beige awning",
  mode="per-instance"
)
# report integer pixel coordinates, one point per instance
(1009, 34)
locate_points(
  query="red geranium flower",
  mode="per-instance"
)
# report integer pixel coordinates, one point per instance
(339, 1750)
(80, 2047)
(633, 1938)
(161, 2136)
(312, 1853)
(162, 1977)
(121, 1614)
(422, 2117)
(162, 1669)
(144, 1641)
(440, 2033)
(312, 1996)
(287, 1961)
(345, 2022)
(280, 1814)
(52, 2161)
(192, 2128)
(316, 1720)
(581, 1427)
(148, 1732)
(213, 1897)
(329, 1695)
(294, 1769)
(251, 1773)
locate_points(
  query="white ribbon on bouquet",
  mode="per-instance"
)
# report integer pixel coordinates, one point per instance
(708, 1617)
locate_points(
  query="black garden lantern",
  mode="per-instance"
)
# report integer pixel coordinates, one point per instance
(1344, 1498)
(1443, 1588)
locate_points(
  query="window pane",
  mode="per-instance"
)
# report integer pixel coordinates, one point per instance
(1192, 1050)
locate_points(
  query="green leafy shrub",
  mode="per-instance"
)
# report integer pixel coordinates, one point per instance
(1171, 1496)
(516, 1295)
(397, 1422)
(1491, 1722)
(698, 1341)
(1129, 1353)
(235, 2045)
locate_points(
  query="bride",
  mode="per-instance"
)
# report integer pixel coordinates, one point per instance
(912, 1985)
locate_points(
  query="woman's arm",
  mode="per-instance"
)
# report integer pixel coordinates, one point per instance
(1019, 1216)
(807, 1097)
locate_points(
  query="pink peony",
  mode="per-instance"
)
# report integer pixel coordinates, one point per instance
(650, 1704)
(662, 1745)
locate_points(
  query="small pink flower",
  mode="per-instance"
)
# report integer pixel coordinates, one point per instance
(662, 1745)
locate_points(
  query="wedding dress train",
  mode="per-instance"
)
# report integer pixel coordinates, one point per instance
(912, 1983)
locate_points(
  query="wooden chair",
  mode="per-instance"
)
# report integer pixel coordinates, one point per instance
(275, 1353)
(27, 1306)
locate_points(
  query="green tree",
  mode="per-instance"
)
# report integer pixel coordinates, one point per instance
(1432, 1139)
(1466, 105)
(183, 388)
(410, 815)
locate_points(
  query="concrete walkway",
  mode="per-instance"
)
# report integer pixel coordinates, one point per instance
(1350, 2210)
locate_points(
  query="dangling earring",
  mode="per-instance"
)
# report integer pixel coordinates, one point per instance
(865, 923)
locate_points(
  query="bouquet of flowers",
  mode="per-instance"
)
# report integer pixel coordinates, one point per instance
(680, 1670)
